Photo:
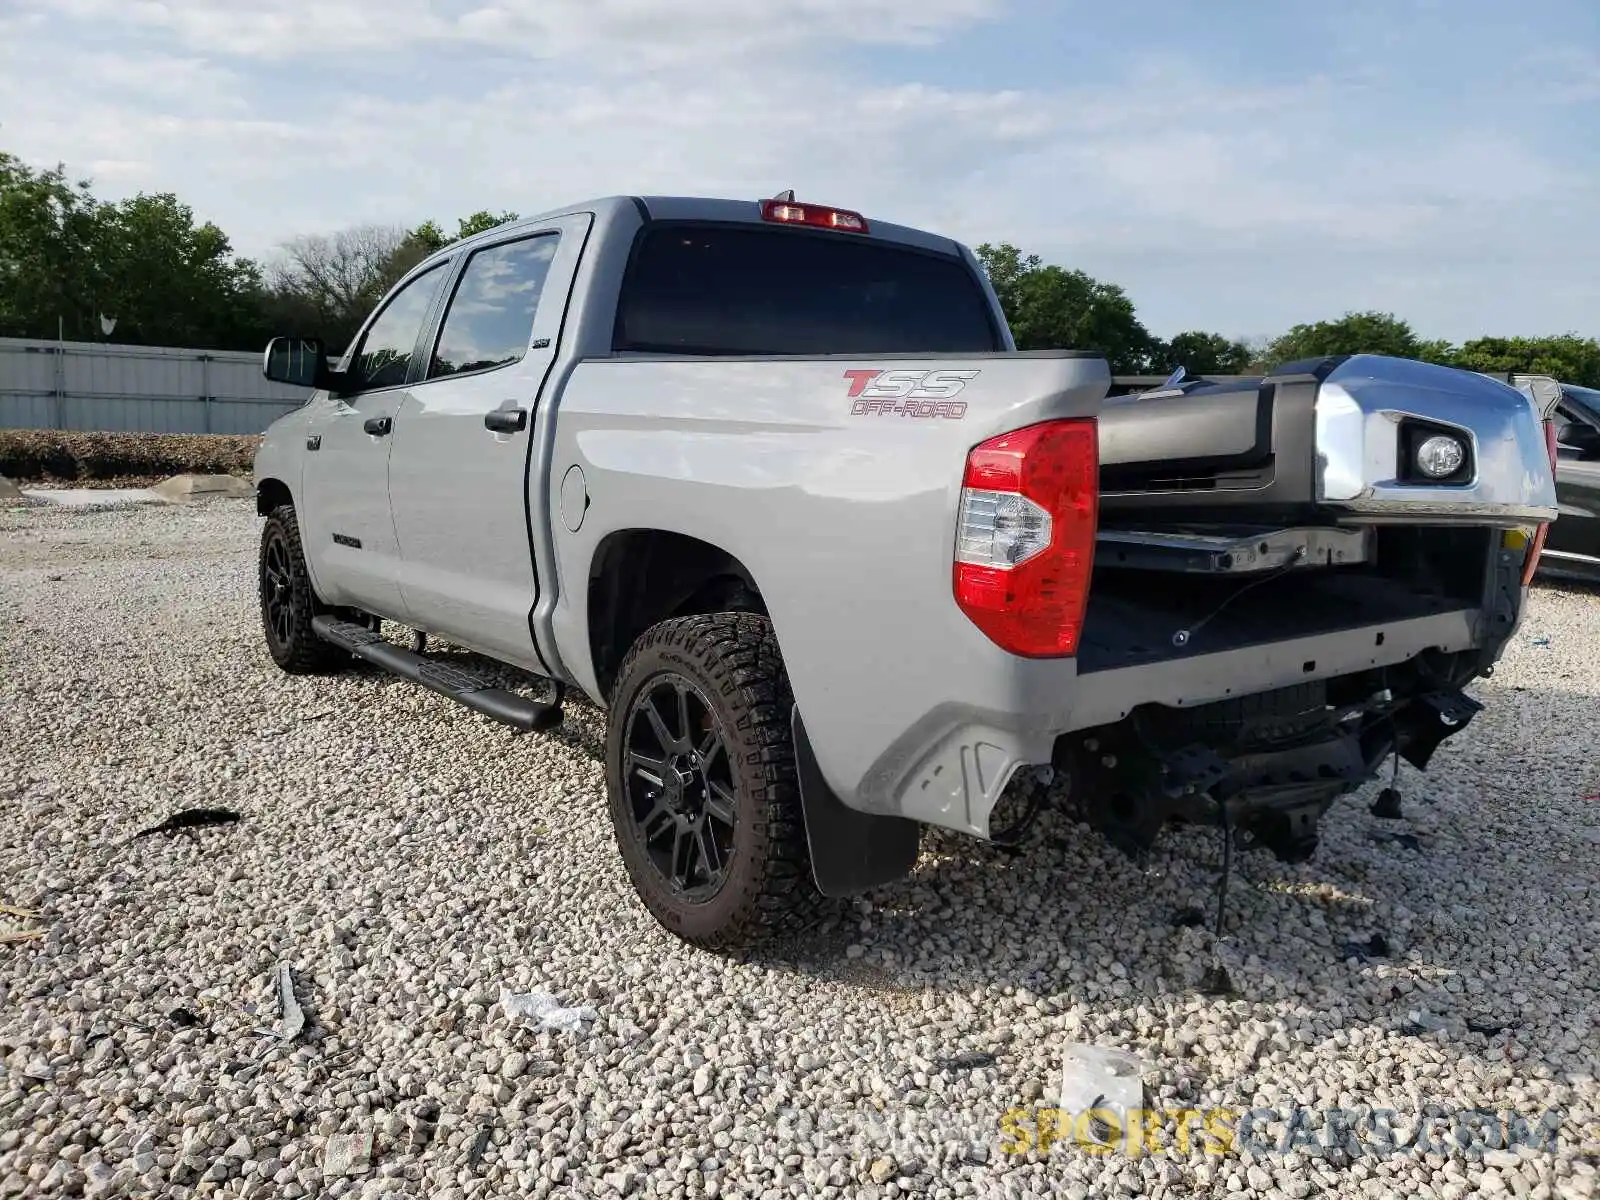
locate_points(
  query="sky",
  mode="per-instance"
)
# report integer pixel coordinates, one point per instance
(1237, 167)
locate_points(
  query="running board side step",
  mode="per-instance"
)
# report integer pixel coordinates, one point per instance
(464, 687)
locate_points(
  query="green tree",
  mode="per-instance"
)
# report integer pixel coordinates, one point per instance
(427, 238)
(1201, 353)
(482, 220)
(1438, 351)
(1050, 307)
(1568, 357)
(169, 281)
(1353, 333)
(66, 259)
(48, 276)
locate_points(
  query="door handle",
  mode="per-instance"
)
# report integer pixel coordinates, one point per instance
(506, 420)
(378, 426)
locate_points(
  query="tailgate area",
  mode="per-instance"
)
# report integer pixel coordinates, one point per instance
(1140, 617)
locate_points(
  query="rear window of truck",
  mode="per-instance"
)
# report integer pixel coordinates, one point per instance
(748, 290)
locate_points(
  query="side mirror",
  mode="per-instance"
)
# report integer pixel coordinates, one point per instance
(301, 362)
(1583, 438)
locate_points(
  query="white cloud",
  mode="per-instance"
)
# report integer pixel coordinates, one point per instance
(1218, 202)
(653, 29)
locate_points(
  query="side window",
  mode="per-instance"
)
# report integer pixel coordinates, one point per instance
(491, 315)
(385, 351)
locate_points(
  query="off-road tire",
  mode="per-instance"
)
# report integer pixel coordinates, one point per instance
(298, 650)
(733, 659)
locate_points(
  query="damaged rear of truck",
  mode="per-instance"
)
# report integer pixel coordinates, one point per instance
(1356, 532)
(1222, 602)
(1226, 603)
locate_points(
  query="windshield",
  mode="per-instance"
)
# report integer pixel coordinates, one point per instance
(749, 290)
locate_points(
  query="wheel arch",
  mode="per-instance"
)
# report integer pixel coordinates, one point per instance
(642, 576)
(270, 494)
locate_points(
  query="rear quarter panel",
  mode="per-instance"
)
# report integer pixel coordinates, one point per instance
(844, 515)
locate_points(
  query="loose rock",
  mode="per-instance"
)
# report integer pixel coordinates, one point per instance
(410, 858)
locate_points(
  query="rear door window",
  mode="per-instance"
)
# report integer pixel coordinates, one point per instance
(491, 315)
(751, 290)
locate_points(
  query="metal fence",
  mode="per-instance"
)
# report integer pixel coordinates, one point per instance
(108, 388)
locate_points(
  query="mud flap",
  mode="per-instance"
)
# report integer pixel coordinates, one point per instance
(851, 851)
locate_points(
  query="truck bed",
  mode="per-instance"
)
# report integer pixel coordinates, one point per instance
(1136, 618)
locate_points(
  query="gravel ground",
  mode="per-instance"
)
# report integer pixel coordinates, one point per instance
(408, 859)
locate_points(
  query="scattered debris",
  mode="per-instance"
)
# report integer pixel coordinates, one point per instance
(480, 1144)
(421, 1127)
(192, 818)
(1191, 916)
(1387, 806)
(967, 1060)
(1102, 1080)
(1377, 946)
(293, 1018)
(1542, 640)
(545, 1009)
(1420, 1021)
(1216, 981)
(348, 1153)
(13, 937)
(183, 1018)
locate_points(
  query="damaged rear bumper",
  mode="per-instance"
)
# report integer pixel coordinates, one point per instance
(1268, 768)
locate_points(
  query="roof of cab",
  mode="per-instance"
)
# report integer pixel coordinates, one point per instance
(705, 208)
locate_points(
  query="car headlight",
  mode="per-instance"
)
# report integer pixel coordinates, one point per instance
(1441, 456)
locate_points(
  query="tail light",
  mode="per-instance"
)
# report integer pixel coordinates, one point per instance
(1025, 536)
(1539, 534)
(791, 212)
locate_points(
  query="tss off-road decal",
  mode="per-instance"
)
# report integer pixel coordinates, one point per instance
(908, 393)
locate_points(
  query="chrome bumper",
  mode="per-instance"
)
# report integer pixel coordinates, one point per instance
(1362, 411)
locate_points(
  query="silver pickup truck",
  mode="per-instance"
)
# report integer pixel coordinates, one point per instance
(769, 482)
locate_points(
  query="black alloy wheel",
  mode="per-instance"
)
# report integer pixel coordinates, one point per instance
(277, 589)
(289, 602)
(701, 782)
(680, 785)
